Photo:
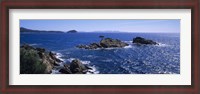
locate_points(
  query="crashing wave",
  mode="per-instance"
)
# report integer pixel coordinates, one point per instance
(93, 69)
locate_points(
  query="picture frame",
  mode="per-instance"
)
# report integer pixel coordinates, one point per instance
(113, 4)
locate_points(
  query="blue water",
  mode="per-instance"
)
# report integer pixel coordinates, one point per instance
(133, 59)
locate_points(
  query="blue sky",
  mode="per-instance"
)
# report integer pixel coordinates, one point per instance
(147, 26)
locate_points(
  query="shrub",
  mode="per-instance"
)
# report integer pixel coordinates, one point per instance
(30, 62)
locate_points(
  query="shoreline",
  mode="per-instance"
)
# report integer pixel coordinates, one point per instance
(45, 62)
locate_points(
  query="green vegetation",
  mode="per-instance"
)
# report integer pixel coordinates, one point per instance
(30, 62)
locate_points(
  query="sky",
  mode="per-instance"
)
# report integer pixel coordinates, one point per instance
(147, 26)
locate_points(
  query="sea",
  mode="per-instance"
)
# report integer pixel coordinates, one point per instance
(133, 59)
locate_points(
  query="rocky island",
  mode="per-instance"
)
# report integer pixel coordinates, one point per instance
(115, 43)
(140, 40)
(105, 43)
(39, 61)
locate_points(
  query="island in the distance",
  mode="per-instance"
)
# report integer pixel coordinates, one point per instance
(26, 30)
(72, 31)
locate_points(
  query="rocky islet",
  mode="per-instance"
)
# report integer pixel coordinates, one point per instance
(116, 43)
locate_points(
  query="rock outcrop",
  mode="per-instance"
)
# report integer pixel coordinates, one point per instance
(105, 43)
(37, 60)
(140, 40)
(108, 43)
(75, 67)
(90, 46)
(65, 70)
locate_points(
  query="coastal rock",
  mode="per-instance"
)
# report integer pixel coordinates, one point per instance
(108, 43)
(36, 60)
(104, 43)
(95, 46)
(53, 56)
(40, 49)
(82, 46)
(65, 70)
(39, 61)
(77, 67)
(90, 46)
(140, 40)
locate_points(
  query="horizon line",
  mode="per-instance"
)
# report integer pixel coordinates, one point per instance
(100, 31)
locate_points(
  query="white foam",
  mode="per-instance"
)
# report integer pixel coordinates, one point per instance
(162, 45)
(59, 56)
(111, 48)
(55, 71)
(129, 46)
(93, 70)
(34, 44)
(107, 48)
(70, 59)
(85, 62)
(61, 64)
(166, 72)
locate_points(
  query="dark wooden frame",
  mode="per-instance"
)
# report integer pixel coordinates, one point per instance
(99, 4)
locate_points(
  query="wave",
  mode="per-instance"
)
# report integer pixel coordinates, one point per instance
(84, 62)
(166, 72)
(129, 46)
(162, 45)
(59, 56)
(93, 69)
(55, 71)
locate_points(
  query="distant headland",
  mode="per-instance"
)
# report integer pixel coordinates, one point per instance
(22, 29)
(72, 31)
